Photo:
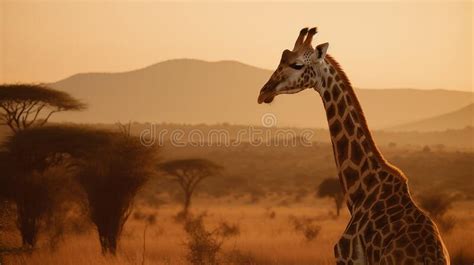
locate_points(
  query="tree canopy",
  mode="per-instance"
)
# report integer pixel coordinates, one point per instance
(331, 187)
(188, 173)
(109, 167)
(111, 177)
(184, 167)
(27, 105)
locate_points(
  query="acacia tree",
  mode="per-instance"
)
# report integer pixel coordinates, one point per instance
(331, 187)
(109, 168)
(31, 157)
(111, 178)
(188, 173)
(26, 105)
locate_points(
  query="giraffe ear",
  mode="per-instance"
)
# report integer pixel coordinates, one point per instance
(320, 51)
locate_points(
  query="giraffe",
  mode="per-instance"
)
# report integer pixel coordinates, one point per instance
(386, 226)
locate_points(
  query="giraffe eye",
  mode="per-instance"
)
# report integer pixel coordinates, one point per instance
(296, 66)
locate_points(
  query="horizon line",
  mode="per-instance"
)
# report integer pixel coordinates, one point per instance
(224, 61)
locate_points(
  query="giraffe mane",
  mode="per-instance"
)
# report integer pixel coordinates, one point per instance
(363, 121)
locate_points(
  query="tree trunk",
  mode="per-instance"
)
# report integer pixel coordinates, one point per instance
(144, 245)
(28, 225)
(338, 202)
(187, 203)
(108, 244)
(28, 233)
(108, 240)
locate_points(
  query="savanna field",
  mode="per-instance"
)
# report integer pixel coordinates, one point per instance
(262, 208)
(236, 132)
(266, 236)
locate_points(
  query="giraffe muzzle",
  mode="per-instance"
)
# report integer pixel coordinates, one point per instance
(267, 93)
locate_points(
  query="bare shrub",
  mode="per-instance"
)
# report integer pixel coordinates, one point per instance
(462, 257)
(229, 230)
(270, 213)
(204, 245)
(149, 220)
(437, 205)
(306, 226)
(138, 215)
(447, 223)
(237, 257)
(301, 193)
(256, 194)
(286, 202)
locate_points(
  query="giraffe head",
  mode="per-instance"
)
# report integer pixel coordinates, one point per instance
(298, 69)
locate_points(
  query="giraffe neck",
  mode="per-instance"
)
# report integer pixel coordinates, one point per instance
(354, 149)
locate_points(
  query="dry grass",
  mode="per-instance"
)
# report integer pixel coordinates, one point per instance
(262, 240)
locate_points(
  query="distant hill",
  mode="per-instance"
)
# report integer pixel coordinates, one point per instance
(458, 119)
(194, 91)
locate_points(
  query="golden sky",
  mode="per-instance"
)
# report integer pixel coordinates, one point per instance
(424, 45)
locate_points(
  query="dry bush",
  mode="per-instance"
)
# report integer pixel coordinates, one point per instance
(306, 226)
(256, 194)
(447, 223)
(149, 220)
(462, 257)
(229, 230)
(301, 193)
(270, 213)
(236, 257)
(138, 215)
(437, 205)
(204, 245)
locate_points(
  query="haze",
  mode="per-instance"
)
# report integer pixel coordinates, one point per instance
(381, 45)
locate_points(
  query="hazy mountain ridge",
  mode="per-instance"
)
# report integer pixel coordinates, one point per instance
(195, 91)
(454, 120)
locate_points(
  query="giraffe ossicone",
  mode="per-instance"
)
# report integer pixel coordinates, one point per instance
(386, 226)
